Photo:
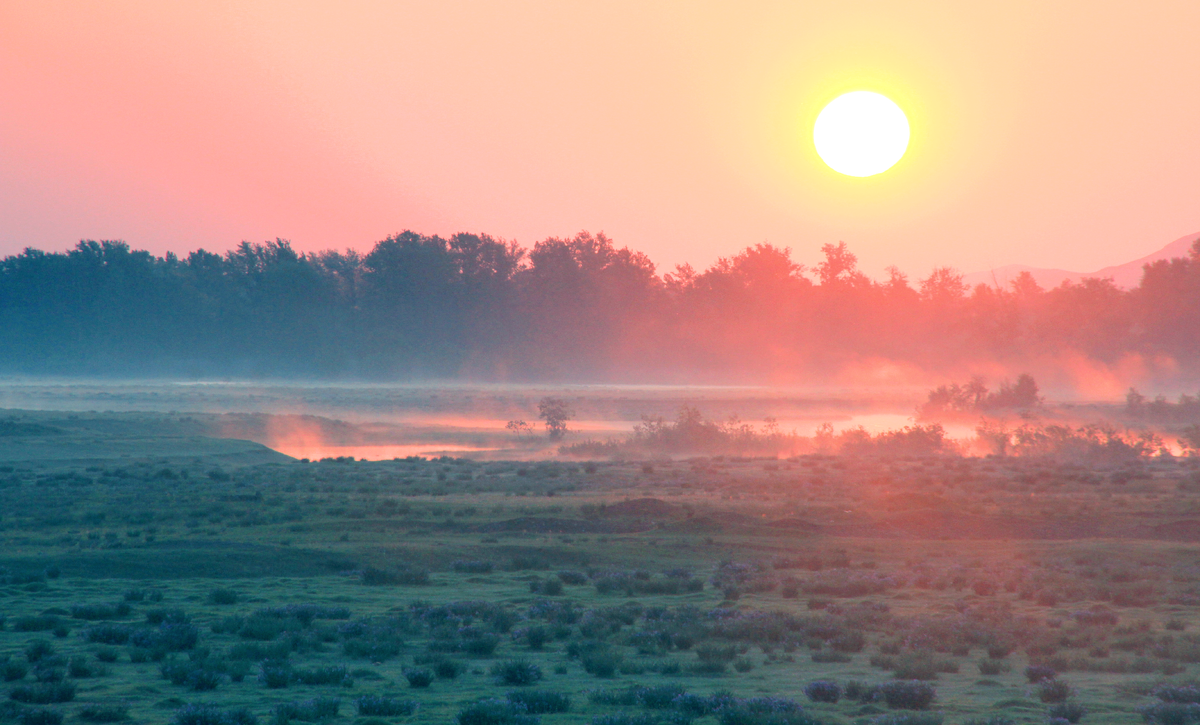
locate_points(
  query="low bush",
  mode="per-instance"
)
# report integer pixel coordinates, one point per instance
(380, 706)
(624, 718)
(823, 691)
(1172, 713)
(1072, 712)
(540, 702)
(908, 694)
(372, 576)
(37, 650)
(764, 711)
(419, 677)
(993, 667)
(163, 615)
(40, 623)
(1052, 690)
(275, 675)
(104, 713)
(223, 597)
(464, 566)
(44, 693)
(495, 712)
(1177, 693)
(108, 634)
(13, 670)
(314, 710)
(376, 650)
(1037, 673)
(516, 672)
(94, 612)
(908, 718)
(107, 654)
(325, 675)
(41, 716)
(212, 715)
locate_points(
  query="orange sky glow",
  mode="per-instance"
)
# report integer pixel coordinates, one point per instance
(1059, 134)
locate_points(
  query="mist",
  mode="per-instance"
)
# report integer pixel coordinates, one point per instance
(578, 310)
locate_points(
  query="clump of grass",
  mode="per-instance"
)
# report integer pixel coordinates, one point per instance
(314, 710)
(419, 677)
(212, 715)
(516, 673)
(539, 702)
(104, 713)
(495, 712)
(380, 706)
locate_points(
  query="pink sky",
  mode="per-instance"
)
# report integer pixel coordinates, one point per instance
(1057, 134)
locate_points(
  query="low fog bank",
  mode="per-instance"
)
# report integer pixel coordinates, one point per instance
(383, 422)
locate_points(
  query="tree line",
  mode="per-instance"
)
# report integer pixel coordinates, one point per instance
(418, 306)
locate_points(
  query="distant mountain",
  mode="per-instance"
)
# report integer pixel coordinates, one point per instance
(1125, 275)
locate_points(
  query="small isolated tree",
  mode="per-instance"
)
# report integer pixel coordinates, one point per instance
(556, 412)
(519, 427)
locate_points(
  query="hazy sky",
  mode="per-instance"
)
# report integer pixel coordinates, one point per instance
(1050, 133)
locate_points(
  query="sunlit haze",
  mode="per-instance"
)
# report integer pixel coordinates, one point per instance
(1060, 135)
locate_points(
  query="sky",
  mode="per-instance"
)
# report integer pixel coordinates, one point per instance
(1057, 134)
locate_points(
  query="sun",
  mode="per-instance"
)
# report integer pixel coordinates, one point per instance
(861, 133)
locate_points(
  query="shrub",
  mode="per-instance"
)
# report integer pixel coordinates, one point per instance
(573, 578)
(381, 577)
(658, 696)
(908, 718)
(1052, 690)
(212, 715)
(93, 612)
(1172, 713)
(41, 716)
(275, 675)
(862, 692)
(12, 670)
(539, 702)
(326, 675)
(1037, 673)
(624, 718)
(993, 667)
(376, 650)
(993, 720)
(495, 712)
(41, 623)
(825, 656)
(380, 706)
(823, 691)
(1072, 712)
(44, 693)
(107, 654)
(171, 637)
(104, 713)
(37, 650)
(907, 694)
(516, 672)
(419, 677)
(1177, 693)
(107, 634)
(464, 566)
(764, 711)
(163, 615)
(78, 667)
(223, 596)
(319, 708)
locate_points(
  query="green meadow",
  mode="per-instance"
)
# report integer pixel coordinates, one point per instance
(152, 574)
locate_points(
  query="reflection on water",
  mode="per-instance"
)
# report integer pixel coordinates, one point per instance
(374, 453)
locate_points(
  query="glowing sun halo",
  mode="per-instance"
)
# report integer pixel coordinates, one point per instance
(861, 134)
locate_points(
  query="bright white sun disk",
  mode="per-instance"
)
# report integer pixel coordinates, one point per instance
(861, 134)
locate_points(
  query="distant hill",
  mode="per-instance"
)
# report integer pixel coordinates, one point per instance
(1125, 275)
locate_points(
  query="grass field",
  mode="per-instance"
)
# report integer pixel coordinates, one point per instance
(147, 570)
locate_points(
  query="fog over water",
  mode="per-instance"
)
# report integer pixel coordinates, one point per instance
(398, 420)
